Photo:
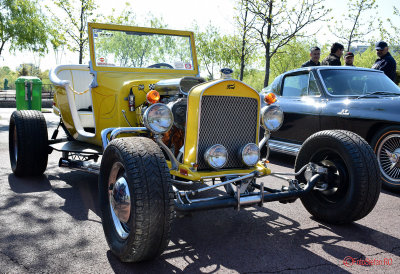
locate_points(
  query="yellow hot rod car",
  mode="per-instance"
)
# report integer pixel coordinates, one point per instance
(166, 138)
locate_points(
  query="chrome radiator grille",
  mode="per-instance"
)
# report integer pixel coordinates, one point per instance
(229, 121)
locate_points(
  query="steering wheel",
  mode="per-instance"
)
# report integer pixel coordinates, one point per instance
(159, 65)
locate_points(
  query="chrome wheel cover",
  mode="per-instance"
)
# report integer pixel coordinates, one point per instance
(120, 200)
(388, 154)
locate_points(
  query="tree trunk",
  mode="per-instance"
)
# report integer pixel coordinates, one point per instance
(242, 65)
(2, 46)
(267, 65)
(268, 45)
(81, 34)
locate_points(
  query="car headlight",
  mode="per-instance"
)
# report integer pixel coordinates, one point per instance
(271, 117)
(158, 118)
(216, 156)
(250, 154)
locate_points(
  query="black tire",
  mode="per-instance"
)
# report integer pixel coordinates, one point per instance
(353, 177)
(386, 145)
(138, 165)
(28, 143)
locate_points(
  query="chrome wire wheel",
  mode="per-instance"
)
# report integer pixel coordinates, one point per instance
(388, 154)
(120, 200)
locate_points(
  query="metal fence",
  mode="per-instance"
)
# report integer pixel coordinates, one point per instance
(47, 93)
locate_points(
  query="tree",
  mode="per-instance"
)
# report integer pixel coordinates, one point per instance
(74, 26)
(291, 56)
(206, 48)
(355, 27)
(28, 70)
(367, 58)
(244, 21)
(23, 25)
(278, 22)
(216, 51)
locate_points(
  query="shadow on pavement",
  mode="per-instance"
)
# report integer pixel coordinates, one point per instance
(81, 196)
(225, 240)
(251, 240)
(28, 185)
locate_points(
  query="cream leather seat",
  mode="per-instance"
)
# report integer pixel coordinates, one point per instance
(80, 79)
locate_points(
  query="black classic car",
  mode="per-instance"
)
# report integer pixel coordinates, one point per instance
(361, 100)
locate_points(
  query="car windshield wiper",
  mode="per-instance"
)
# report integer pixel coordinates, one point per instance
(375, 93)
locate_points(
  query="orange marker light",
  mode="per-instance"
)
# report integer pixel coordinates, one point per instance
(270, 98)
(153, 97)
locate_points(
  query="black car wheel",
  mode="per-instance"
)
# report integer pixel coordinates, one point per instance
(28, 143)
(386, 145)
(353, 184)
(136, 199)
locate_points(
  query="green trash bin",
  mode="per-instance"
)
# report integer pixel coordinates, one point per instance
(28, 93)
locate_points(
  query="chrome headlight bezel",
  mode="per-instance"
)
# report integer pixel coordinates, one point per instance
(212, 152)
(271, 124)
(153, 124)
(244, 152)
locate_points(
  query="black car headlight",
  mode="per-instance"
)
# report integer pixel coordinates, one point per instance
(271, 117)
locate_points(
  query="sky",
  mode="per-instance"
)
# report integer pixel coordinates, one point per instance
(180, 14)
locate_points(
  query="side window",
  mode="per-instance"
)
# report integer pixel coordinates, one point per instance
(312, 86)
(295, 85)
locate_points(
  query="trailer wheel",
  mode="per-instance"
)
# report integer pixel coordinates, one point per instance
(353, 176)
(28, 143)
(136, 199)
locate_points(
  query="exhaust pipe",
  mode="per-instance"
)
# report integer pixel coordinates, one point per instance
(80, 165)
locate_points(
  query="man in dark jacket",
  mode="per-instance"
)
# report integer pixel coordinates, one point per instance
(315, 53)
(333, 59)
(385, 61)
(349, 59)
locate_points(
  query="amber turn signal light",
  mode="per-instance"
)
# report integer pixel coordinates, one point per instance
(270, 98)
(153, 96)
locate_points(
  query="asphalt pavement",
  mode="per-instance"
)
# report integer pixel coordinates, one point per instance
(52, 224)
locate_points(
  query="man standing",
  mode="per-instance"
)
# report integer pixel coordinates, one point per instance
(315, 53)
(349, 59)
(333, 59)
(385, 61)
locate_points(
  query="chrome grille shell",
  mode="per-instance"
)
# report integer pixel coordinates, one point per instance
(231, 121)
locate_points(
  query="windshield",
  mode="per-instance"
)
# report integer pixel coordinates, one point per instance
(131, 49)
(357, 82)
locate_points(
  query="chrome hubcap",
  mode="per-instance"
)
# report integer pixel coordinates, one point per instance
(388, 154)
(120, 200)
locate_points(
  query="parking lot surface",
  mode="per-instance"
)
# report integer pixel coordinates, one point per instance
(52, 224)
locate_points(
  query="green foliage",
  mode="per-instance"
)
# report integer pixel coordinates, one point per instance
(255, 79)
(279, 22)
(23, 26)
(355, 27)
(290, 56)
(28, 70)
(365, 59)
(11, 76)
(216, 51)
(72, 28)
(132, 49)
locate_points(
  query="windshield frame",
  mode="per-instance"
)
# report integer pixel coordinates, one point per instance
(322, 80)
(112, 27)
